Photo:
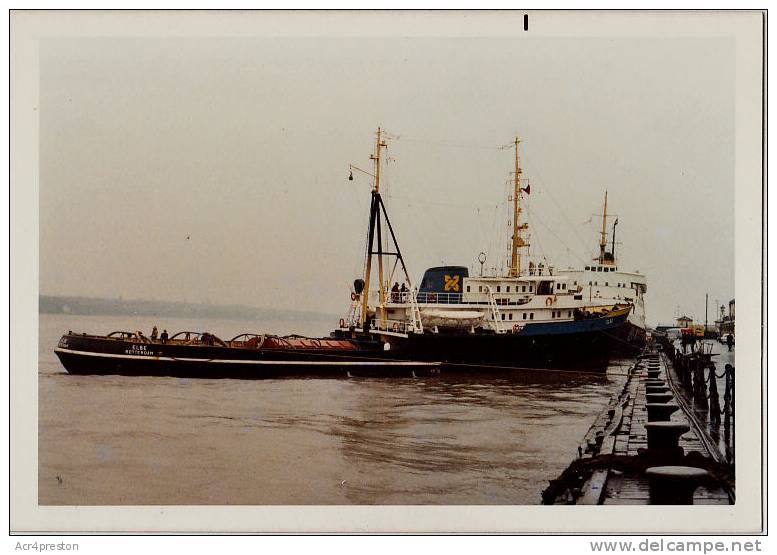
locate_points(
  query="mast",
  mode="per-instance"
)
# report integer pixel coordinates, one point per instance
(615, 223)
(375, 207)
(517, 240)
(603, 240)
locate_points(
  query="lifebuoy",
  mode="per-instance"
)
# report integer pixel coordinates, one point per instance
(548, 301)
(354, 296)
(342, 323)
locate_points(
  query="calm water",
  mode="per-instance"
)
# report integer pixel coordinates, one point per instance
(448, 440)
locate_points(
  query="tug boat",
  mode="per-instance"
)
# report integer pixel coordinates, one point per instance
(529, 318)
(246, 356)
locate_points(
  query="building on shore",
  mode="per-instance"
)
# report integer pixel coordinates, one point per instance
(727, 320)
(684, 322)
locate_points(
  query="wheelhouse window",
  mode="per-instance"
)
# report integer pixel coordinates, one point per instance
(510, 316)
(531, 316)
(467, 288)
(524, 316)
(498, 288)
(508, 288)
(503, 316)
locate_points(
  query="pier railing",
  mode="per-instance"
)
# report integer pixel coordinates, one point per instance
(698, 378)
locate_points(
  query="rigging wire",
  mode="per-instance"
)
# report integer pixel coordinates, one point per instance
(449, 144)
(537, 175)
(549, 228)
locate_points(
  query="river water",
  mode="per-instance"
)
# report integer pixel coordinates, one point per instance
(113, 440)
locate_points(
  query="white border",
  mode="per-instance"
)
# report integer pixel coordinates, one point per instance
(28, 28)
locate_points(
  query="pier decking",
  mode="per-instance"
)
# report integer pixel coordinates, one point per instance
(614, 455)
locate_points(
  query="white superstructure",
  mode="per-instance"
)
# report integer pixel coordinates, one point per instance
(604, 282)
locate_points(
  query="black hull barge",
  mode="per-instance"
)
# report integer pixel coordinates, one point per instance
(249, 356)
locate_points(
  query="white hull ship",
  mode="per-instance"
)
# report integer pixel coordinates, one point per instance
(532, 319)
(603, 282)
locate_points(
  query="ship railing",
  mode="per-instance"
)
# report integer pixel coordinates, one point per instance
(387, 325)
(428, 297)
(437, 298)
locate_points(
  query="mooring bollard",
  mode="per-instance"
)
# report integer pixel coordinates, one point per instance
(656, 389)
(664, 435)
(658, 397)
(674, 485)
(660, 412)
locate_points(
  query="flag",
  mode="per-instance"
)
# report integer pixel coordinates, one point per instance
(616, 221)
(527, 189)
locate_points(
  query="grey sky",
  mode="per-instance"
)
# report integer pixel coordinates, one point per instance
(243, 146)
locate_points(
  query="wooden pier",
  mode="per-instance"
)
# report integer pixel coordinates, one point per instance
(614, 456)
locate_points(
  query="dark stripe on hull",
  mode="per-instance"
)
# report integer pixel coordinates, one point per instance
(580, 345)
(566, 348)
(628, 340)
(95, 364)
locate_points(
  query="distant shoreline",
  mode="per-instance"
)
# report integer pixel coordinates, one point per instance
(94, 306)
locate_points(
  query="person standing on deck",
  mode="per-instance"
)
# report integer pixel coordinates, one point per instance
(395, 293)
(154, 334)
(164, 337)
(729, 341)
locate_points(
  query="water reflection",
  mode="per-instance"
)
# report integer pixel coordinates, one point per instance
(462, 434)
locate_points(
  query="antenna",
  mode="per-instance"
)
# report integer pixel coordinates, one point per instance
(482, 260)
(603, 240)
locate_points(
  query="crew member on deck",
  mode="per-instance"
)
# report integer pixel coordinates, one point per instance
(403, 293)
(154, 333)
(395, 293)
(164, 337)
